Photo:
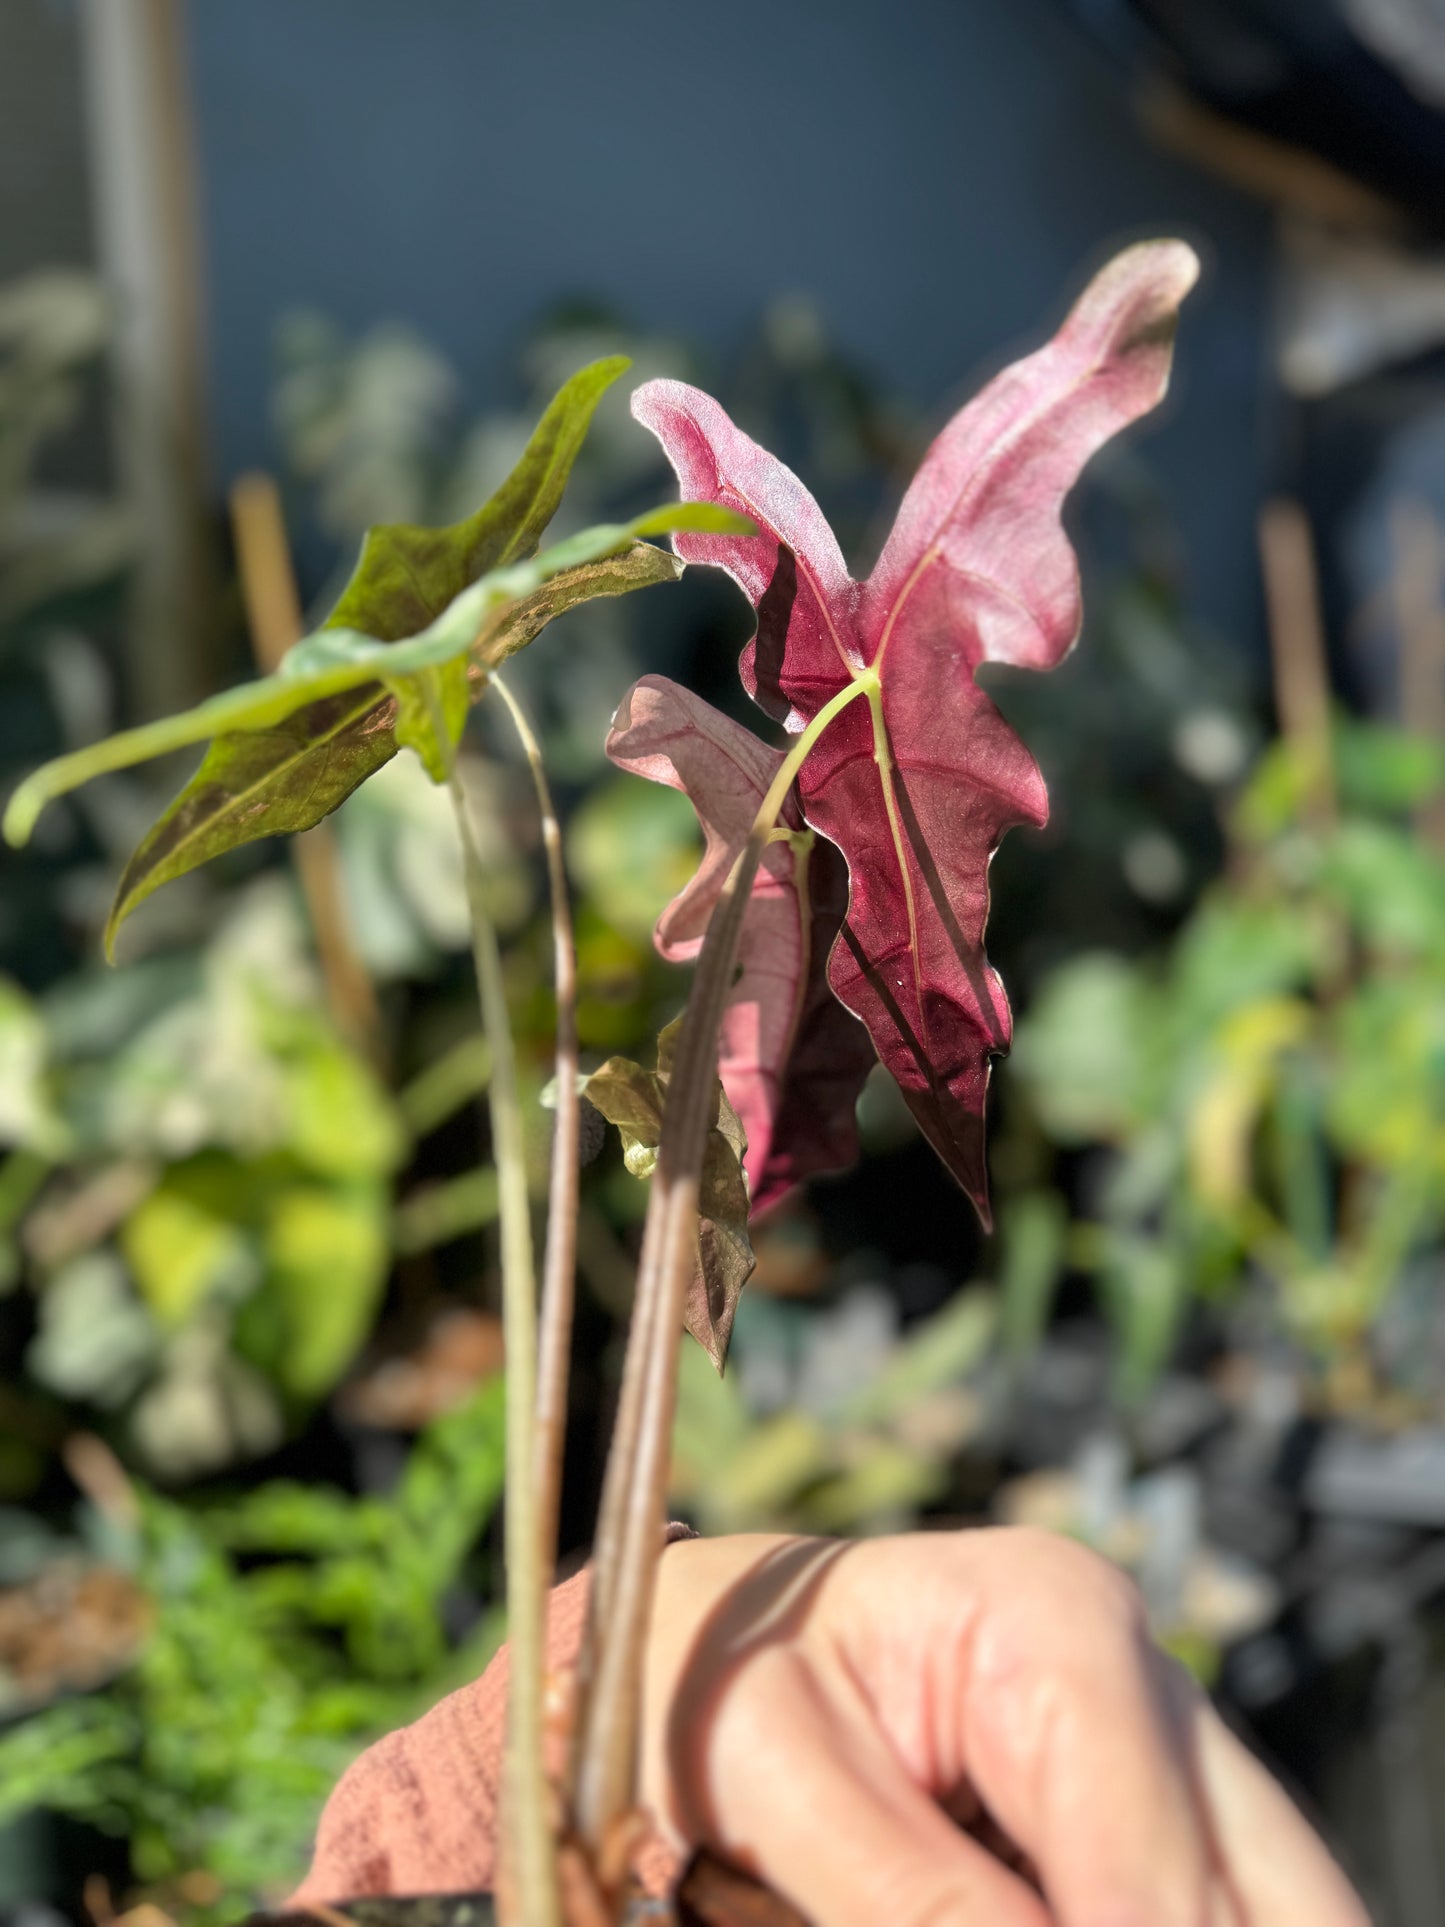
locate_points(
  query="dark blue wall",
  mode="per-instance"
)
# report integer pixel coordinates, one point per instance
(939, 174)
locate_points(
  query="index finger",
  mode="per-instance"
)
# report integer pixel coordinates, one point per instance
(1021, 1663)
(1275, 1864)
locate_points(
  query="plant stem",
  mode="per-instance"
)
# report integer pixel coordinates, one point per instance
(525, 1810)
(559, 1266)
(630, 1531)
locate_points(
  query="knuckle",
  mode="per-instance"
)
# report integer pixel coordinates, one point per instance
(1085, 1579)
(1079, 1625)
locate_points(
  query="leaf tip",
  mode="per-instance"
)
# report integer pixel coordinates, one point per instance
(692, 518)
(19, 819)
(712, 1327)
(1170, 259)
(711, 518)
(1144, 286)
(651, 396)
(124, 901)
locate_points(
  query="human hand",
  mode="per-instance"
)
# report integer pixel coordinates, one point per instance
(822, 1714)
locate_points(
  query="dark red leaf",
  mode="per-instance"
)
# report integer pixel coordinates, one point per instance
(918, 787)
(792, 1060)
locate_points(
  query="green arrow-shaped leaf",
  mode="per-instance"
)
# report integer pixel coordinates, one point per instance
(288, 776)
(292, 746)
(406, 576)
(270, 778)
(427, 613)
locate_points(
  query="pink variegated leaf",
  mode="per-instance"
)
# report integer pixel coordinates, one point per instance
(791, 1059)
(918, 783)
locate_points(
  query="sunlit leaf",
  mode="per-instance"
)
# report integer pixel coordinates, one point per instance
(1392, 885)
(180, 1253)
(630, 848)
(918, 784)
(265, 772)
(285, 776)
(406, 576)
(338, 663)
(1033, 1227)
(1087, 1051)
(431, 713)
(327, 1259)
(1240, 1068)
(1144, 1291)
(1379, 768)
(427, 613)
(339, 1121)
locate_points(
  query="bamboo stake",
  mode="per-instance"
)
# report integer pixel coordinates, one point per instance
(1420, 620)
(1297, 644)
(273, 612)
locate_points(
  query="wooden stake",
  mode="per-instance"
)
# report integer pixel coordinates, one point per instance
(1297, 644)
(1420, 620)
(273, 611)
